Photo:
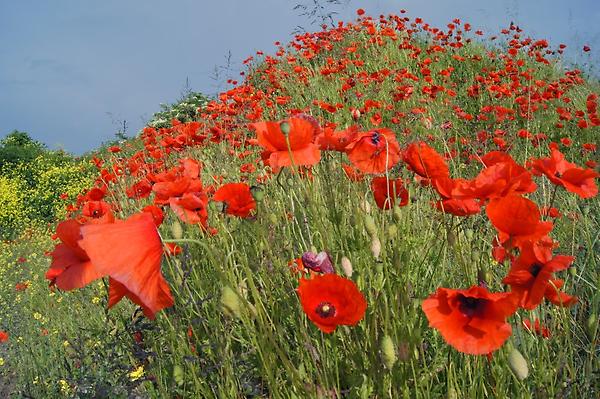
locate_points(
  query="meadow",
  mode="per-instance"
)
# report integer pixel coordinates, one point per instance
(382, 209)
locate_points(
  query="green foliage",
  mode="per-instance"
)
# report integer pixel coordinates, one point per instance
(184, 110)
(36, 184)
(18, 147)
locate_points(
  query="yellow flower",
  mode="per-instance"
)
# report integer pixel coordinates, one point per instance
(96, 300)
(1, 361)
(37, 316)
(137, 373)
(64, 386)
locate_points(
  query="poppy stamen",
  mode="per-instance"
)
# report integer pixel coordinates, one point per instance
(535, 269)
(376, 137)
(325, 310)
(470, 306)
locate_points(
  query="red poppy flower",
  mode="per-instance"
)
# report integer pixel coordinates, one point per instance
(330, 300)
(473, 321)
(453, 201)
(302, 150)
(337, 141)
(3, 336)
(530, 275)
(157, 213)
(71, 267)
(375, 151)
(130, 252)
(238, 199)
(537, 328)
(174, 187)
(21, 286)
(501, 176)
(191, 208)
(99, 210)
(560, 172)
(556, 296)
(141, 189)
(386, 191)
(352, 173)
(517, 219)
(425, 161)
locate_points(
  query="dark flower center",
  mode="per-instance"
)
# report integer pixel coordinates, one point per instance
(470, 306)
(375, 137)
(325, 310)
(535, 269)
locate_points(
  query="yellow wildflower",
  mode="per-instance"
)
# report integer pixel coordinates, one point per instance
(137, 373)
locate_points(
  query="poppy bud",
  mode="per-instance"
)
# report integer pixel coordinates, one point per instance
(397, 212)
(257, 193)
(176, 230)
(452, 393)
(218, 206)
(392, 230)
(469, 233)
(590, 325)
(370, 225)
(573, 271)
(230, 302)
(355, 113)
(320, 263)
(375, 247)
(388, 352)
(285, 128)
(518, 364)
(347, 267)
(273, 219)
(178, 374)
(365, 206)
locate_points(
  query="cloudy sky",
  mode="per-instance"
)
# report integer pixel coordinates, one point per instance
(72, 70)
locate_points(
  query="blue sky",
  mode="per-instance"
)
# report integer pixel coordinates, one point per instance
(71, 70)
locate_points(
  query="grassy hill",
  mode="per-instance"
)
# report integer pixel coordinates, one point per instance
(416, 157)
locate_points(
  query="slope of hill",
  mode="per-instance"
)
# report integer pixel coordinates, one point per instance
(381, 209)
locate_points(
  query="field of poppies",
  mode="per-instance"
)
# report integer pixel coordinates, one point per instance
(380, 209)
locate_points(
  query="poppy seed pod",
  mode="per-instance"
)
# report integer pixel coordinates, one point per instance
(518, 364)
(178, 374)
(388, 352)
(347, 267)
(392, 230)
(365, 206)
(573, 271)
(258, 193)
(230, 302)
(285, 128)
(397, 212)
(370, 225)
(376, 247)
(176, 230)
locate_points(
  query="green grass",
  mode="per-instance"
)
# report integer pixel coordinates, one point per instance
(270, 349)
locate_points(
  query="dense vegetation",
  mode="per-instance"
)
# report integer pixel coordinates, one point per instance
(236, 327)
(36, 184)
